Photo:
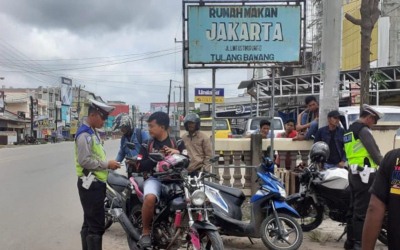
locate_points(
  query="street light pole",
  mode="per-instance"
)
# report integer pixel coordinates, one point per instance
(169, 96)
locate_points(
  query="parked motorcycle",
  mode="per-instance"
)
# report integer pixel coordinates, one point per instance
(181, 216)
(271, 217)
(120, 198)
(324, 192)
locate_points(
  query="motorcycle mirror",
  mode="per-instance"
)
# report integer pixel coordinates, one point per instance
(214, 159)
(156, 157)
(130, 145)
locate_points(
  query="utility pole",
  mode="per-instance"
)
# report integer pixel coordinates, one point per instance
(169, 96)
(330, 59)
(78, 109)
(31, 111)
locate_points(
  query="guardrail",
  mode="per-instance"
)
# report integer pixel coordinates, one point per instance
(238, 158)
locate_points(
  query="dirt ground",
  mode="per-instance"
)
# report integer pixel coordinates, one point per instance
(325, 237)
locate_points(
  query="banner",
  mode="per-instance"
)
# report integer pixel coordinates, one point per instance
(66, 91)
(224, 34)
(2, 103)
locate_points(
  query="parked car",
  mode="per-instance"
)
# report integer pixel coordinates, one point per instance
(391, 115)
(253, 123)
(222, 127)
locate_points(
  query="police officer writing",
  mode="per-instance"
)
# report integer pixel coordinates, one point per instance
(363, 157)
(91, 168)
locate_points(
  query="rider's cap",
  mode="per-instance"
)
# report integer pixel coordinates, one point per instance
(334, 113)
(103, 108)
(372, 111)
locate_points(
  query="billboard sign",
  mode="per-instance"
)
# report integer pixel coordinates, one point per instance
(233, 34)
(66, 91)
(2, 103)
(204, 95)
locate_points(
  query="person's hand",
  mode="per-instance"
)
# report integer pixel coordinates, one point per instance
(341, 164)
(170, 151)
(298, 137)
(113, 164)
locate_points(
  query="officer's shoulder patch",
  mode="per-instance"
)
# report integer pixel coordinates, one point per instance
(347, 137)
(88, 139)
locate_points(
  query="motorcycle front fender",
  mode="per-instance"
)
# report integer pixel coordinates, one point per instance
(203, 225)
(283, 206)
(293, 197)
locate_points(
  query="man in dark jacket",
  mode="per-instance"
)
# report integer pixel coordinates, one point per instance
(332, 134)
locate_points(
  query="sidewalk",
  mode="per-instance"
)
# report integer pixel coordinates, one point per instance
(324, 237)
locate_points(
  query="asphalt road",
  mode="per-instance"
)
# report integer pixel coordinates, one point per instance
(40, 208)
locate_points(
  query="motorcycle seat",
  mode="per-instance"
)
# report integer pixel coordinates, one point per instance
(229, 190)
(117, 181)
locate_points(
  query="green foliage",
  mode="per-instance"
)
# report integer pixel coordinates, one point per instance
(379, 79)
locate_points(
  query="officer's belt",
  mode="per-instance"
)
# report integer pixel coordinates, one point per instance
(360, 169)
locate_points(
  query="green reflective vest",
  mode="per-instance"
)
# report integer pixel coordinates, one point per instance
(355, 150)
(97, 153)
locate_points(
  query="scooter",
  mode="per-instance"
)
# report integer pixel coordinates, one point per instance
(271, 217)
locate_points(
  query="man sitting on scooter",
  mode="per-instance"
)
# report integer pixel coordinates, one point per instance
(161, 142)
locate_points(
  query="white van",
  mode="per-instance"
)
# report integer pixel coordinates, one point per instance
(391, 115)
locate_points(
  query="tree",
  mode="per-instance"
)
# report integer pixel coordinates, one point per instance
(369, 16)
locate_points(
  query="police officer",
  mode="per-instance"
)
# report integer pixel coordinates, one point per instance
(363, 157)
(91, 168)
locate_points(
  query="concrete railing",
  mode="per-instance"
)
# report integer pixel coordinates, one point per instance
(237, 161)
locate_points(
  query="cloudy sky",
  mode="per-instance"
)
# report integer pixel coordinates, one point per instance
(121, 50)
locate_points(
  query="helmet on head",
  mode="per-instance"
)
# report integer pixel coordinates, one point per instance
(319, 152)
(192, 117)
(122, 120)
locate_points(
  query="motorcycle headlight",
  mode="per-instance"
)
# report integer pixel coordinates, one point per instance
(282, 191)
(198, 198)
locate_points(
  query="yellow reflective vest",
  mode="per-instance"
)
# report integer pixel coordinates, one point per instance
(97, 153)
(356, 152)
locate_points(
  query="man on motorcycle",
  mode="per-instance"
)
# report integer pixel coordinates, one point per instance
(161, 142)
(137, 136)
(197, 143)
(91, 168)
(363, 157)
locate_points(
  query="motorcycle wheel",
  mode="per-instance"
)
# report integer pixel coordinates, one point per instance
(108, 218)
(311, 214)
(209, 240)
(291, 238)
(136, 217)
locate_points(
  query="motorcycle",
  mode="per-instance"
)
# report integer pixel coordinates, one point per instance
(271, 217)
(321, 192)
(120, 198)
(181, 215)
